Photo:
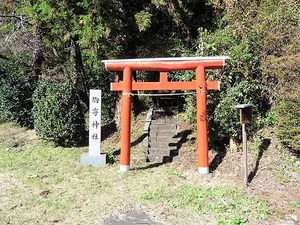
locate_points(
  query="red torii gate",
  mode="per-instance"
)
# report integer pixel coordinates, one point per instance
(165, 65)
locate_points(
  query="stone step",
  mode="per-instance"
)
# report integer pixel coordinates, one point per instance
(164, 136)
(162, 152)
(163, 159)
(171, 120)
(164, 127)
(162, 145)
(164, 120)
(165, 139)
(155, 158)
(165, 145)
(163, 133)
(158, 122)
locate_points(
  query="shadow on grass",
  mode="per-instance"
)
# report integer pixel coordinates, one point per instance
(296, 153)
(262, 148)
(220, 148)
(132, 144)
(151, 165)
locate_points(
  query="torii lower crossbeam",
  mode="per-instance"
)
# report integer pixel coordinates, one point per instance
(165, 65)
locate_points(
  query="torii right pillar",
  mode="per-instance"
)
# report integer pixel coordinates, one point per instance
(202, 137)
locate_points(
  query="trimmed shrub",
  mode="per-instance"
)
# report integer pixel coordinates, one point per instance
(56, 112)
(17, 84)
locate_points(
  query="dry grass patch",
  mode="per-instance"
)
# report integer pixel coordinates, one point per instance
(12, 135)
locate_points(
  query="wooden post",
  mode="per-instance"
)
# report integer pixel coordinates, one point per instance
(202, 142)
(126, 120)
(244, 156)
(245, 118)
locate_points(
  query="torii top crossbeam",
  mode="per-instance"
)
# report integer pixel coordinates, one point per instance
(165, 65)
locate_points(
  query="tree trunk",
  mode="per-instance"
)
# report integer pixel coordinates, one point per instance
(118, 106)
(130, 46)
(80, 81)
(38, 57)
(118, 111)
(136, 105)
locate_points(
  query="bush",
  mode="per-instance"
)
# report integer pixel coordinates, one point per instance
(17, 84)
(226, 116)
(288, 121)
(56, 112)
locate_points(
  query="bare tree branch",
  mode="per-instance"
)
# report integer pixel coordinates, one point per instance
(20, 18)
(18, 39)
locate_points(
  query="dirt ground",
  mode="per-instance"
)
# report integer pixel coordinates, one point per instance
(273, 173)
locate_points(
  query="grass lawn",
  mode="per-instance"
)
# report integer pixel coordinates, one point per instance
(44, 184)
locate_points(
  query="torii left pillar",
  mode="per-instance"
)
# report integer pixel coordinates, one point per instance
(164, 65)
(126, 120)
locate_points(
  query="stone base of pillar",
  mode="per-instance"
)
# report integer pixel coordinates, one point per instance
(203, 170)
(93, 160)
(124, 168)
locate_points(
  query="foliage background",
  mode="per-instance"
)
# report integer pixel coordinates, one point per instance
(17, 83)
(67, 40)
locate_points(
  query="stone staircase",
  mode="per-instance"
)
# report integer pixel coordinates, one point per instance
(161, 143)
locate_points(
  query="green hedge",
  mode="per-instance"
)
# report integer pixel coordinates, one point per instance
(17, 84)
(56, 112)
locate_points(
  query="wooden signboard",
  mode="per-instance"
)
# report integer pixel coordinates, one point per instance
(245, 118)
(245, 113)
